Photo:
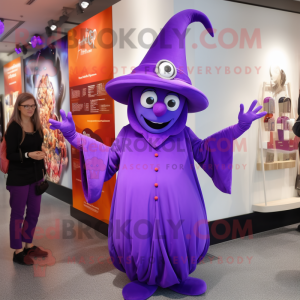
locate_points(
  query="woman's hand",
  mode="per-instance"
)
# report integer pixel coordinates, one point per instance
(37, 155)
(66, 126)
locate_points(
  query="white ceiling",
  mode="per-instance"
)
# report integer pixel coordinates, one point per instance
(36, 17)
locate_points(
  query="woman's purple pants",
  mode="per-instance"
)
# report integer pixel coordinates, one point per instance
(23, 230)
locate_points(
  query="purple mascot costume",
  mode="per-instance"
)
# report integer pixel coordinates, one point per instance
(158, 229)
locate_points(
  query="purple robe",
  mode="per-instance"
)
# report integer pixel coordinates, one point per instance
(157, 241)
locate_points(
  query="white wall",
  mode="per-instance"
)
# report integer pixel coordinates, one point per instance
(279, 43)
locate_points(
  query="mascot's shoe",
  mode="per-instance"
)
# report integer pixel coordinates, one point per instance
(191, 287)
(138, 291)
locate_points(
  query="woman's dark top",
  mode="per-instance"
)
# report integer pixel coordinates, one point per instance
(22, 173)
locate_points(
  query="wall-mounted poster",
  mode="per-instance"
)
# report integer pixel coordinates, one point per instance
(12, 86)
(90, 68)
(46, 77)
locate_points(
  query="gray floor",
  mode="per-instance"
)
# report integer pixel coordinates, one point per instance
(273, 271)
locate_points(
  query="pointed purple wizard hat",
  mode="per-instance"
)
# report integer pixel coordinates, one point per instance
(164, 65)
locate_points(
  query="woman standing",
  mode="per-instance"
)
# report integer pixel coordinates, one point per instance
(24, 138)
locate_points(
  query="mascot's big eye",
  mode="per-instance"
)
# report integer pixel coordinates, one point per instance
(172, 102)
(148, 99)
(165, 69)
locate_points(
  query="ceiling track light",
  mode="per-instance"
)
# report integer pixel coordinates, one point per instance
(52, 25)
(2, 26)
(79, 9)
(18, 49)
(24, 50)
(48, 31)
(82, 5)
(21, 48)
(35, 40)
(39, 40)
(66, 11)
(63, 19)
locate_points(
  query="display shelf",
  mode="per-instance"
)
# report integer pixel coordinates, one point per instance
(277, 165)
(265, 147)
(278, 205)
(277, 144)
(286, 164)
(268, 166)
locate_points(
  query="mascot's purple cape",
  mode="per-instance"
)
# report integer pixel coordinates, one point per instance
(158, 229)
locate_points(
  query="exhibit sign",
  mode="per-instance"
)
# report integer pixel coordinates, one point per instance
(90, 68)
(12, 86)
(46, 77)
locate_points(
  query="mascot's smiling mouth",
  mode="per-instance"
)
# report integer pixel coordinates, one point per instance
(156, 125)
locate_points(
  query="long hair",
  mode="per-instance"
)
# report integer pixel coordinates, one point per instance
(16, 115)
